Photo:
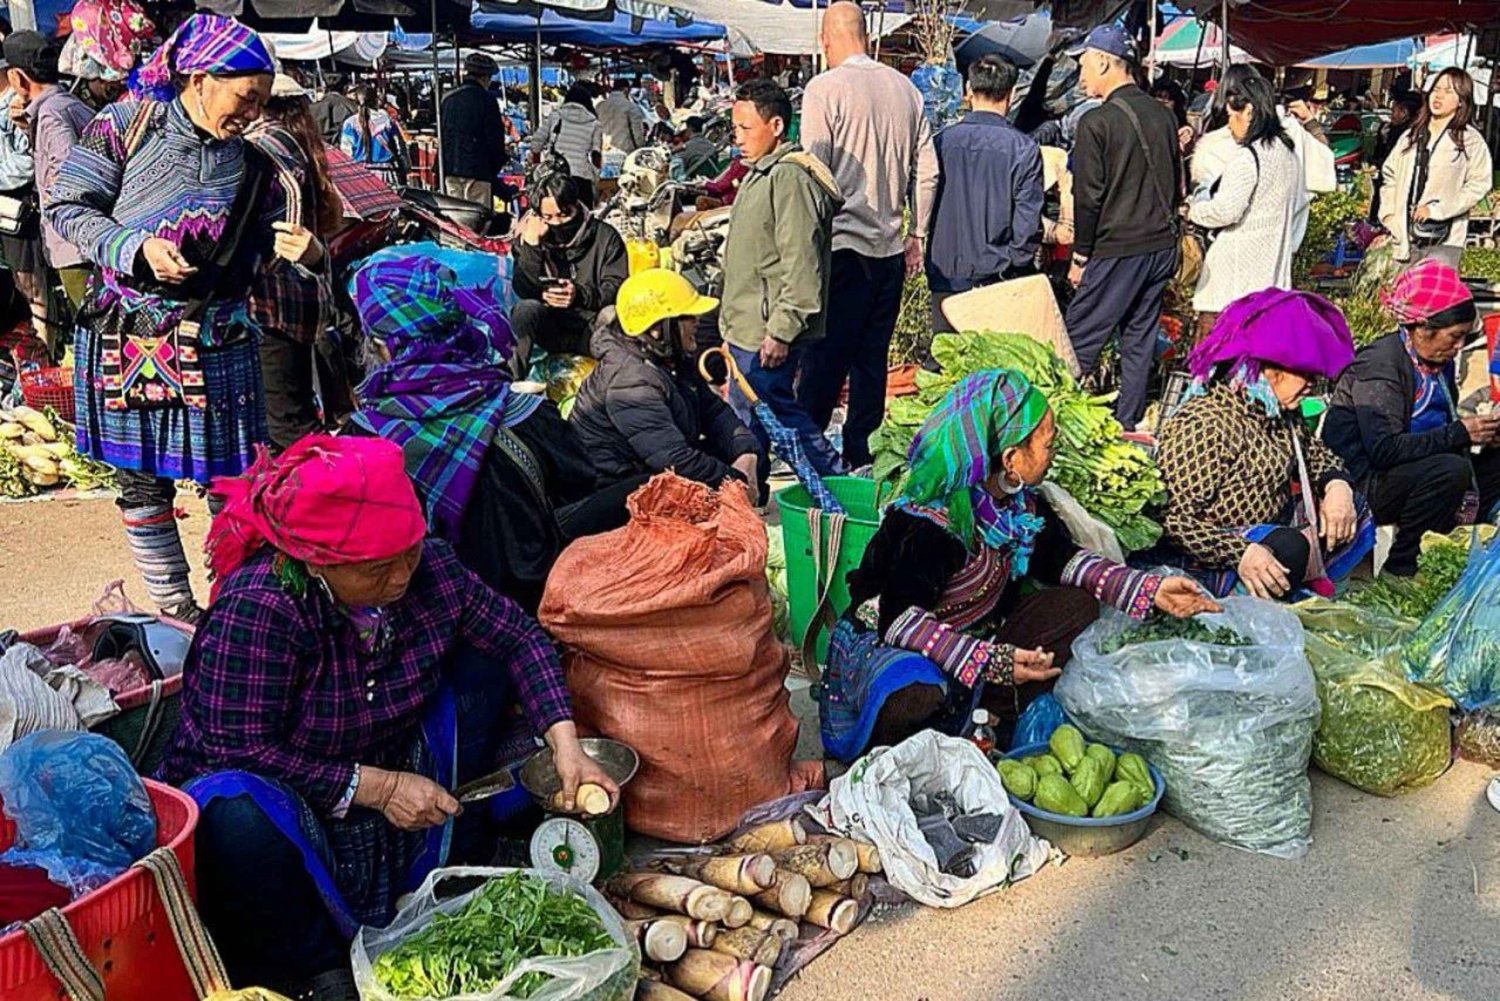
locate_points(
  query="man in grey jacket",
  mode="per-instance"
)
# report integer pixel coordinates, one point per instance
(777, 265)
(623, 120)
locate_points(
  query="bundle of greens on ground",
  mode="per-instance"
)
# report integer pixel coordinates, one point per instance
(512, 919)
(1439, 566)
(1114, 480)
(1160, 628)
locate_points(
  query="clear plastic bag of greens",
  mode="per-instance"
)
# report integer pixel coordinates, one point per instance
(1457, 648)
(1478, 737)
(1229, 727)
(1379, 732)
(436, 938)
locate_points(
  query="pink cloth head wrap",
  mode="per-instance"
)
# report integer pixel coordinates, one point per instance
(1424, 290)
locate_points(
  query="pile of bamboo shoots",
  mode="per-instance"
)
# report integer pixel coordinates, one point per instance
(714, 926)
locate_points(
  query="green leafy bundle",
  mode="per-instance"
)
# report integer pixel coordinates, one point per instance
(1439, 566)
(512, 919)
(1161, 628)
(1113, 479)
(1482, 263)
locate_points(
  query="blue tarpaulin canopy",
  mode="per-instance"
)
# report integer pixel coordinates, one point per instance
(623, 30)
(1368, 57)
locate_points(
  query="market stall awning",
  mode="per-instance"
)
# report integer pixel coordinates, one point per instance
(623, 30)
(356, 48)
(1287, 32)
(779, 27)
(1386, 55)
(1187, 41)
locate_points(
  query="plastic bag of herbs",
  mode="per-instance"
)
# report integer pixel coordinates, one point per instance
(1379, 732)
(1457, 647)
(519, 934)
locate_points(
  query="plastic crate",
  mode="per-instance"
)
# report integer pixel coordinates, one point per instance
(122, 926)
(50, 387)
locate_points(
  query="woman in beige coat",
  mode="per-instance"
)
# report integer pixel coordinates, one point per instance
(1436, 175)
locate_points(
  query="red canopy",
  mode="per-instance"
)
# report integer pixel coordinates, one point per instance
(1287, 32)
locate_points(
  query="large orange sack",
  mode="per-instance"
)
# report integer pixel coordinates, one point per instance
(668, 645)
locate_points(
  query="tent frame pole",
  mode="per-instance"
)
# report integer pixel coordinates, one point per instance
(1224, 48)
(437, 93)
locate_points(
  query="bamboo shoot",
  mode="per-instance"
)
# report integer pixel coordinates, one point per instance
(700, 934)
(739, 913)
(735, 873)
(869, 855)
(713, 976)
(757, 946)
(786, 928)
(829, 910)
(770, 837)
(788, 895)
(856, 886)
(661, 941)
(655, 990)
(822, 865)
(673, 893)
(630, 910)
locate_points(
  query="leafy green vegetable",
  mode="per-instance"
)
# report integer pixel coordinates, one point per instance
(1113, 479)
(1481, 262)
(1327, 217)
(1162, 628)
(512, 919)
(1439, 566)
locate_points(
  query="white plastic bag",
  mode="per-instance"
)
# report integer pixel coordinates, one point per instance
(1229, 727)
(605, 975)
(873, 802)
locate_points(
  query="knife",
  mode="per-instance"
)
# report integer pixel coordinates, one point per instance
(485, 787)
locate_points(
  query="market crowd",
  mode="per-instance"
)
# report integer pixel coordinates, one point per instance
(370, 640)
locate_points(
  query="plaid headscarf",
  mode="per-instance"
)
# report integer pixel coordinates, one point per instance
(446, 389)
(951, 457)
(218, 46)
(325, 501)
(1424, 290)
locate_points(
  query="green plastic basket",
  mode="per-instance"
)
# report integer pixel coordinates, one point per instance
(862, 505)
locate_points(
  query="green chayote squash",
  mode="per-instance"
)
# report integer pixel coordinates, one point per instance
(1088, 779)
(1017, 777)
(1044, 764)
(1105, 757)
(1067, 746)
(1054, 794)
(1132, 768)
(1120, 798)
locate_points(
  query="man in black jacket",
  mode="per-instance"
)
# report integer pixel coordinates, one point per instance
(569, 267)
(473, 134)
(1126, 179)
(645, 409)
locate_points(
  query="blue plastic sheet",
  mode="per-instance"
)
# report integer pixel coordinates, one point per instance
(1038, 721)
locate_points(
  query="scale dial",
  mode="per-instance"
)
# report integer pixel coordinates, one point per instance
(562, 844)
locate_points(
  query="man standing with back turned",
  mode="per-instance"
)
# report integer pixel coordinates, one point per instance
(473, 134)
(865, 121)
(1125, 185)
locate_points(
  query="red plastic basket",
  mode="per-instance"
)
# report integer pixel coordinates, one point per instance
(122, 926)
(50, 387)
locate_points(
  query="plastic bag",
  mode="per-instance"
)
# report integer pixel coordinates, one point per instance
(76, 794)
(1038, 721)
(1457, 648)
(1229, 727)
(781, 619)
(877, 801)
(1379, 732)
(1478, 737)
(606, 975)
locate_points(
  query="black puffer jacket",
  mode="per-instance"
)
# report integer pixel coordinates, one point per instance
(636, 415)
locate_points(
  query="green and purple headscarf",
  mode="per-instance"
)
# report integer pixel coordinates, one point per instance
(954, 452)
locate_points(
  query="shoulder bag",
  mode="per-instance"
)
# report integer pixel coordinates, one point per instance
(1424, 232)
(1189, 250)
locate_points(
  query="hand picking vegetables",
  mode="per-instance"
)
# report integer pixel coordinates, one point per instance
(37, 451)
(513, 918)
(1113, 479)
(1079, 779)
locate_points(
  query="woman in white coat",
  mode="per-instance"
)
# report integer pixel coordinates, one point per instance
(1436, 175)
(1252, 206)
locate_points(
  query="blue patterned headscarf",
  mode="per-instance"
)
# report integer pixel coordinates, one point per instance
(952, 456)
(445, 389)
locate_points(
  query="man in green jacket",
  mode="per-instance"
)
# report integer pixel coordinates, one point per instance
(776, 265)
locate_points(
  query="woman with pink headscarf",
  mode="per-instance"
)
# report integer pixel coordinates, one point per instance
(1394, 417)
(348, 673)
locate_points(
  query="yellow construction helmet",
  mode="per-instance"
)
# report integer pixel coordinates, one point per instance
(654, 295)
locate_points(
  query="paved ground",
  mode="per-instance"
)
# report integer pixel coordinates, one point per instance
(1399, 899)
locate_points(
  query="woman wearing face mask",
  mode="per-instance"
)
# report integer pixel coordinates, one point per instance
(347, 675)
(1394, 422)
(174, 209)
(645, 409)
(569, 266)
(939, 620)
(1253, 203)
(1436, 174)
(1253, 498)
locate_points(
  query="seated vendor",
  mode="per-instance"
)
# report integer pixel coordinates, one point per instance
(1253, 498)
(344, 667)
(1394, 421)
(502, 476)
(645, 409)
(938, 615)
(568, 267)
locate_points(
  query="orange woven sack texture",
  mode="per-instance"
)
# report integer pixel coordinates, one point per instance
(668, 646)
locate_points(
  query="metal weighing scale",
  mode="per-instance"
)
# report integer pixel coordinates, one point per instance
(587, 848)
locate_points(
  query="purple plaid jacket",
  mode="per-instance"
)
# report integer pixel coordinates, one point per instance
(278, 685)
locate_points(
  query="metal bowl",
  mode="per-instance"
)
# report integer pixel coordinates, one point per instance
(1088, 837)
(539, 774)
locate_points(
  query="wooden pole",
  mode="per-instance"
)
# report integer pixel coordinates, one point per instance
(437, 94)
(1224, 45)
(1151, 59)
